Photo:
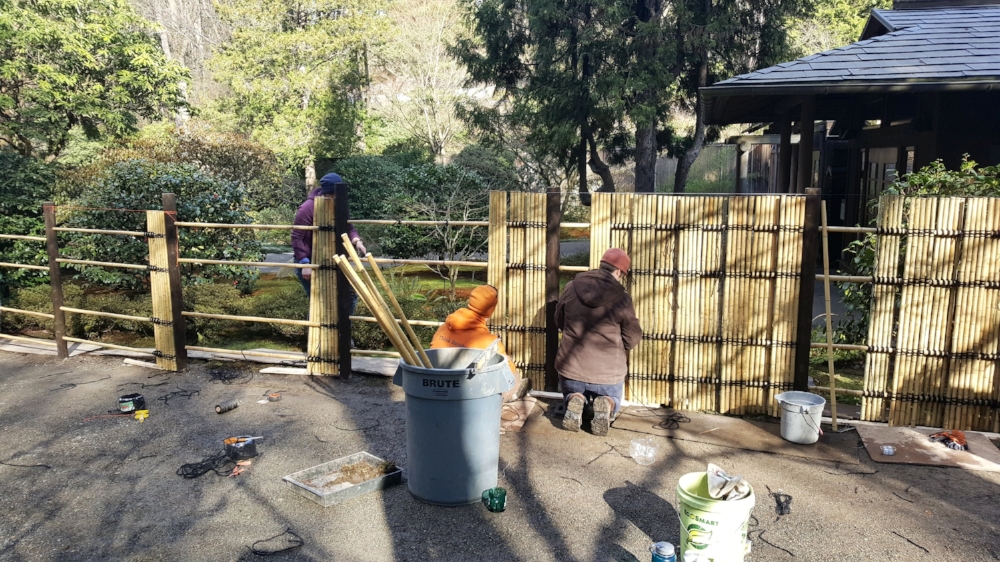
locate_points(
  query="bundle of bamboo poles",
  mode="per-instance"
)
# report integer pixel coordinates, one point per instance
(400, 333)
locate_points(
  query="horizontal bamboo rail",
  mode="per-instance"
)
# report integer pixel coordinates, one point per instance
(842, 346)
(574, 268)
(106, 314)
(100, 231)
(848, 278)
(446, 263)
(102, 263)
(30, 340)
(28, 312)
(847, 391)
(23, 237)
(109, 345)
(249, 263)
(420, 223)
(261, 319)
(24, 266)
(251, 226)
(376, 352)
(574, 225)
(290, 355)
(431, 323)
(850, 229)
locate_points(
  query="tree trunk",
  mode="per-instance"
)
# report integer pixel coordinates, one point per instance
(685, 163)
(599, 167)
(645, 158)
(310, 173)
(581, 167)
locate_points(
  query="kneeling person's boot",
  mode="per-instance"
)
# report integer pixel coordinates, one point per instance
(604, 407)
(574, 412)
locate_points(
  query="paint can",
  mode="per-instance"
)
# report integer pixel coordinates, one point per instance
(226, 406)
(131, 402)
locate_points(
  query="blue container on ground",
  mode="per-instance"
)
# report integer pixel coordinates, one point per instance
(453, 425)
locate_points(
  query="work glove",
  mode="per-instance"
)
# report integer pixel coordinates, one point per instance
(360, 247)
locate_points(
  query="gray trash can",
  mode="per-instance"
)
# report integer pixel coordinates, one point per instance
(453, 425)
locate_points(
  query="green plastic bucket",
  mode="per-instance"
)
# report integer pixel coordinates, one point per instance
(717, 530)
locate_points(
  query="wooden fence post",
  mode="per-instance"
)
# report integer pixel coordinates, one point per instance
(807, 288)
(324, 349)
(172, 241)
(553, 218)
(52, 246)
(159, 284)
(342, 215)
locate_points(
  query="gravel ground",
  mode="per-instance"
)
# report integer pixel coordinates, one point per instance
(107, 488)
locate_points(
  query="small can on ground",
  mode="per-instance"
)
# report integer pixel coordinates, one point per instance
(888, 450)
(131, 402)
(223, 407)
(495, 499)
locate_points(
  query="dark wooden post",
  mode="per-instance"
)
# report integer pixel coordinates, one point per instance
(553, 218)
(806, 126)
(785, 154)
(341, 217)
(807, 287)
(52, 246)
(174, 271)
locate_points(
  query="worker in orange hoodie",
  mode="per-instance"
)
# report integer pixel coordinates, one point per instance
(466, 327)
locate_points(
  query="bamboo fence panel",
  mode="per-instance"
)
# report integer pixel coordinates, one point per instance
(323, 353)
(788, 259)
(517, 269)
(159, 282)
(881, 326)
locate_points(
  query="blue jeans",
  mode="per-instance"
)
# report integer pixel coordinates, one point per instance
(590, 391)
(307, 285)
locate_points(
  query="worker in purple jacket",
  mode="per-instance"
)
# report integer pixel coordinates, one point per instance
(302, 239)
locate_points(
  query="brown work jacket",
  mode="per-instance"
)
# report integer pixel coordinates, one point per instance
(599, 326)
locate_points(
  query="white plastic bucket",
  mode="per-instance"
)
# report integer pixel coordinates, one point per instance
(800, 416)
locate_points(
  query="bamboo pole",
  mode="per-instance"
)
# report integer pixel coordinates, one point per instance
(109, 345)
(101, 231)
(261, 319)
(248, 353)
(29, 340)
(24, 266)
(387, 323)
(829, 322)
(401, 316)
(102, 263)
(200, 261)
(421, 223)
(372, 319)
(105, 314)
(28, 312)
(248, 226)
(22, 237)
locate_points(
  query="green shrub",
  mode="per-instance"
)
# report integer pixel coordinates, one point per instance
(282, 214)
(37, 299)
(212, 298)
(90, 326)
(26, 184)
(289, 303)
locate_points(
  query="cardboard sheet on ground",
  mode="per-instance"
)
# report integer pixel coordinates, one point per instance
(913, 447)
(514, 414)
(737, 433)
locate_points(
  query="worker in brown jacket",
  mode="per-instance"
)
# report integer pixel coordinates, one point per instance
(599, 327)
(466, 327)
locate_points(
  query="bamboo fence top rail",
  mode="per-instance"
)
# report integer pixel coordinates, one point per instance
(574, 225)
(107, 314)
(28, 312)
(376, 352)
(401, 222)
(843, 346)
(102, 263)
(249, 263)
(24, 266)
(446, 263)
(23, 237)
(100, 231)
(850, 229)
(847, 391)
(430, 323)
(574, 268)
(111, 345)
(847, 278)
(306, 323)
(29, 340)
(253, 226)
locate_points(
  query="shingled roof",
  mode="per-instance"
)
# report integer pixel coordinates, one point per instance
(904, 50)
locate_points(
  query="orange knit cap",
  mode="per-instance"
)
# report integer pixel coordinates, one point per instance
(483, 300)
(617, 258)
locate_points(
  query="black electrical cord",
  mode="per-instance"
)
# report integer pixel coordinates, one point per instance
(673, 421)
(230, 376)
(783, 502)
(291, 539)
(218, 463)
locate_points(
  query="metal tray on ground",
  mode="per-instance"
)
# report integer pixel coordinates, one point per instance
(314, 483)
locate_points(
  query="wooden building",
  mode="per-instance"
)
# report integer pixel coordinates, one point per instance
(922, 83)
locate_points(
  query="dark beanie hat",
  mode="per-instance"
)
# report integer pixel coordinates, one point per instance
(330, 180)
(617, 258)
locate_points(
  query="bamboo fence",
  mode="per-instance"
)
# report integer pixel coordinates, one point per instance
(714, 281)
(932, 359)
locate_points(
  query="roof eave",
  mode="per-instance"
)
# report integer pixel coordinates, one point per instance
(820, 88)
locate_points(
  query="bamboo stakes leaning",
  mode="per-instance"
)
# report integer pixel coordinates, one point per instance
(829, 320)
(373, 299)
